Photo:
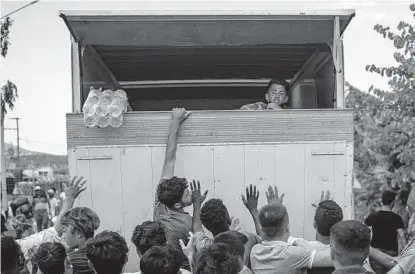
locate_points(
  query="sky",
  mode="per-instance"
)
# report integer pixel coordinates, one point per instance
(38, 60)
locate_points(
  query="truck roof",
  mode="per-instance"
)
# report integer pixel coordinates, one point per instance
(122, 28)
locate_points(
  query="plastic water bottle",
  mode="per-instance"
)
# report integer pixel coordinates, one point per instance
(116, 121)
(90, 121)
(116, 108)
(106, 97)
(119, 93)
(90, 106)
(103, 121)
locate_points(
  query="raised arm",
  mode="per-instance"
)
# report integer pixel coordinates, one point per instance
(383, 258)
(178, 116)
(72, 192)
(251, 203)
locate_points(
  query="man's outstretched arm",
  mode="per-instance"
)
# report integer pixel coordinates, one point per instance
(178, 116)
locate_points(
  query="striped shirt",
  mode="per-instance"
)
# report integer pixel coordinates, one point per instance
(79, 262)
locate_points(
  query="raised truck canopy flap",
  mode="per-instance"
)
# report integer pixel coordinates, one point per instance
(192, 45)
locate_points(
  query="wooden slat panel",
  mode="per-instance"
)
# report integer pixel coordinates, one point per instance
(229, 163)
(84, 169)
(290, 179)
(107, 188)
(260, 171)
(151, 128)
(136, 175)
(319, 177)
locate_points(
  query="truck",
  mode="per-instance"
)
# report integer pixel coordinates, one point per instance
(211, 63)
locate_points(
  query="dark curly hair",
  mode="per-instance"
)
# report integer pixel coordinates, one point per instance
(234, 240)
(11, 254)
(215, 259)
(148, 234)
(170, 191)
(161, 260)
(350, 242)
(82, 220)
(49, 258)
(280, 82)
(108, 252)
(214, 215)
(328, 213)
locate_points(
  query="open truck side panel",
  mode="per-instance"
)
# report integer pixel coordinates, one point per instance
(212, 63)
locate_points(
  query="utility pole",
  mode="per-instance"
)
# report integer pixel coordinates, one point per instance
(18, 139)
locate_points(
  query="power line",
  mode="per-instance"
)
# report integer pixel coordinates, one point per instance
(31, 3)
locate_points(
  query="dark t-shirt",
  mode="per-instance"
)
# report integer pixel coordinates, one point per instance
(384, 227)
(79, 262)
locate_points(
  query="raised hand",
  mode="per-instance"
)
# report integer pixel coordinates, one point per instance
(197, 196)
(235, 224)
(325, 196)
(75, 187)
(188, 249)
(251, 199)
(272, 195)
(180, 114)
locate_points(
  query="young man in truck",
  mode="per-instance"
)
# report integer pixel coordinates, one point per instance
(276, 97)
(173, 194)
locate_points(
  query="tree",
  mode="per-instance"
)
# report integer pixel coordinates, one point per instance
(8, 90)
(385, 133)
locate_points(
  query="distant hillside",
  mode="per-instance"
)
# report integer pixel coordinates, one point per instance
(38, 159)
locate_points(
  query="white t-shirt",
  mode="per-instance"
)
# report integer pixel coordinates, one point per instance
(33, 241)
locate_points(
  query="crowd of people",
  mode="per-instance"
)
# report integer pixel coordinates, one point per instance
(175, 242)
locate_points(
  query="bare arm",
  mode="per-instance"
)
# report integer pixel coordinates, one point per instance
(178, 116)
(384, 259)
(72, 192)
(397, 269)
(251, 203)
(322, 258)
(198, 199)
(401, 239)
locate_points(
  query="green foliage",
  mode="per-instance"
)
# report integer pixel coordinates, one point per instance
(385, 120)
(8, 90)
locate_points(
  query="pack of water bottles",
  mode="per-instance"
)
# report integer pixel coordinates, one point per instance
(105, 108)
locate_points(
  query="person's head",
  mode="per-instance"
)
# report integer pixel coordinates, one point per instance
(216, 259)
(277, 90)
(235, 242)
(161, 260)
(215, 217)
(174, 193)
(12, 259)
(17, 192)
(51, 193)
(328, 213)
(349, 243)
(79, 225)
(51, 258)
(275, 222)
(148, 234)
(107, 252)
(388, 198)
(402, 197)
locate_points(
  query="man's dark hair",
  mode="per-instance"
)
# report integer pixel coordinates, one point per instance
(108, 252)
(280, 82)
(351, 239)
(388, 197)
(148, 234)
(82, 220)
(10, 254)
(161, 260)
(215, 259)
(214, 215)
(170, 191)
(403, 196)
(328, 213)
(273, 219)
(49, 258)
(234, 240)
